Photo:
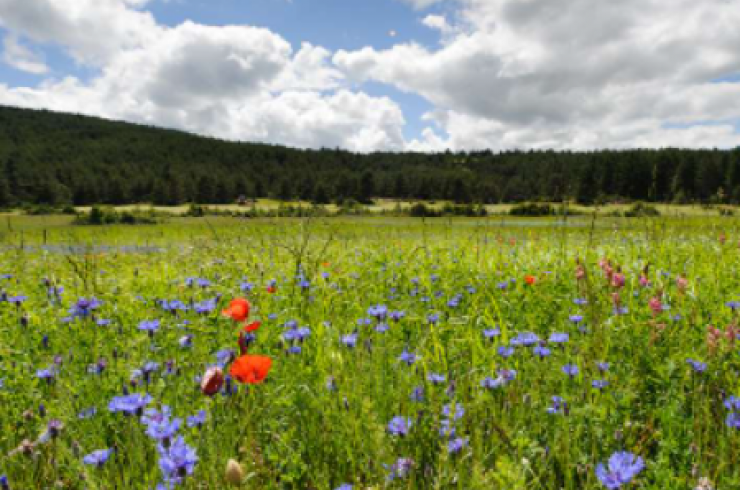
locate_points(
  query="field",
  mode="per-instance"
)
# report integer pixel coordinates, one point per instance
(465, 353)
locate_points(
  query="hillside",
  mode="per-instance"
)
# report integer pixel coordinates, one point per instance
(55, 158)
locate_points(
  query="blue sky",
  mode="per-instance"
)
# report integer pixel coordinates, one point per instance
(422, 75)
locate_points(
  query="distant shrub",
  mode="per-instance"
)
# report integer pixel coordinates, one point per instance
(421, 210)
(106, 216)
(532, 209)
(726, 212)
(640, 210)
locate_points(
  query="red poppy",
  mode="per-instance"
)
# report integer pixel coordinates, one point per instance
(238, 310)
(271, 289)
(252, 326)
(212, 381)
(530, 280)
(251, 369)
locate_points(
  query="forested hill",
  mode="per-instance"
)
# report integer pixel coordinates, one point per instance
(56, 158)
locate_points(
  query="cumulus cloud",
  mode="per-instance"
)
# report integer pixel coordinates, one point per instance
(421, 4)
(235, 82)
(570, 73)
(20, 57)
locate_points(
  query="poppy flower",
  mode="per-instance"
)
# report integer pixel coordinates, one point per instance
(251, 369)
(271, 289)
(251, 327)
(212, 381)
(238, 310)
(530, 280)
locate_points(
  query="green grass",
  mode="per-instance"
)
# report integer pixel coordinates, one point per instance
(321, 418)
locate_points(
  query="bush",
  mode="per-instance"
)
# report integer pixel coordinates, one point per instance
(641, 210)
(532, 209)
(106, 216)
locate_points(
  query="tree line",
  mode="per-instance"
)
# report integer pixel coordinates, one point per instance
(55, 158)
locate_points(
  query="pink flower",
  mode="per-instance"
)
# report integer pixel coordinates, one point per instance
(644, 281)
(618, 280)
(682, 283)
(212, 381)
(655, 305)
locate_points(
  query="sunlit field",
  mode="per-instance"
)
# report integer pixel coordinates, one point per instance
(370, 353)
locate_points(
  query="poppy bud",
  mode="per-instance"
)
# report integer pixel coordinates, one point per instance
(234, 472)
(212, 381)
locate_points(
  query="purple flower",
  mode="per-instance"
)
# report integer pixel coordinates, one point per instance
(47, 374)
(399, 426)
(541, 351)
(379, 312)
(603, 366)
(436, 378)
(733, 420)
(397, 315)
(456, 445)
(130, 404)
(490, 383)
(456, 412)
(699, 367)
(418, 394)
(505, 351)
(149, 326)
(87, 413)
(350, 340)
(97, 458)
(525, 338)
(623, 467)
(576, 318)
(558, 338)
(344, 486)
(732, 403)
(433, 318)
(205, 307)
(164, 429)
(176, 461)
(490, 333)
(599, 384)
(400, 469)
(571, 370)
(407, 357)
(559, 405)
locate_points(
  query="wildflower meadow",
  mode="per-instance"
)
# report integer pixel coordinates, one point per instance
(372, 353)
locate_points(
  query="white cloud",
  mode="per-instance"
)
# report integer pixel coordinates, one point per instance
(422, 4)
(570, 73)
(22, 58)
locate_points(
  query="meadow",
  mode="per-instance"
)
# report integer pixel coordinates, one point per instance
(403, 353)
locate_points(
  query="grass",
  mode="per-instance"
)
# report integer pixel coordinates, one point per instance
(321, 418)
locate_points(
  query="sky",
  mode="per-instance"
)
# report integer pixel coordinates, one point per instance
(388, 75)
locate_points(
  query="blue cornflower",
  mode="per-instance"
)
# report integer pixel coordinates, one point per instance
(17, 300)
(396, 315)
(623, 467)
(733, 420)
(490, 333)
(505, 351)
(447, 429)
(400, 469)
(344, 486)
(4, 482)
(87, 413)
(733, 305)
(571, 370)
(197, 420)
(149, 326)
(525, 338)
(418, 394)
(433, 318)
(603, 366)
(379, 312)
(172, 306)
(84, 307)
(130, 404)
(456, 445)
(436, 378)
(294, 349)
(247, 286)
(559, 405)
(458, 413)
(507, 374)
(558, 338)
(97, 458)
(186, 341)
(491, 383)
(399, 426)
(205, 307)
(407, 357)
(382, 327)
(541, 351)
(599, 384)
(47, 374)
(302, 333)
(576, 318)
(102, 322)
(176, 461)
(699, 367)
(204, 283)
(580, 301)
(224, 356)
(732, 403)
(364, 321)
(163, 430)
(350, 340)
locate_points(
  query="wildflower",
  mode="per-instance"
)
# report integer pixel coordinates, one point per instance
(87, 413)
(234, 473)
(623, 467)
(541, 351)
(571, 370)
(418, 394)
(699, 367)
(379, 312)
(525, 338)
(490, 383)
(47, 374)
(530, 280)
(149, 326)
(576, 318)
(558, 338)
(505, 351)
(251, 369)
(130, 404)
(456, 445)
(186, 341)
(436, 378)
(97, 458)
(251, 327)
(603, 366)
(344, 486)
(197, 420)
(599, 384)
(350, 340)
(433, 318)
(4, 483)
(400, 469)
(164, 429)
(458, 413)
(212, 381)
(408, 357)
(399, 426)
(176, 461)
(559, 405)
(238, 310)
(732, 403)
(491, 333)
(84, 307)
(733, 420)
(397, 315)
(656, 306)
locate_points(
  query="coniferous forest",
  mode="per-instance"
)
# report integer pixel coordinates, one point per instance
(55, 158)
